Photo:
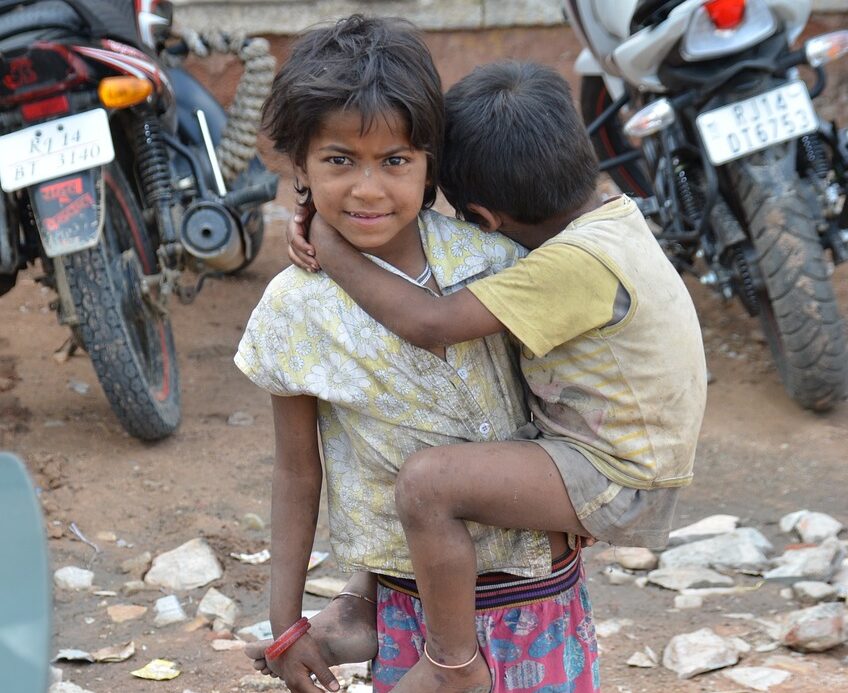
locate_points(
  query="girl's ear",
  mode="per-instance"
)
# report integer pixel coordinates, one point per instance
(301, 178)
(489, 220)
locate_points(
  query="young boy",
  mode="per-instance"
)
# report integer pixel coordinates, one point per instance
(611, 352)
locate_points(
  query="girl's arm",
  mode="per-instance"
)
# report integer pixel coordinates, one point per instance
(422, 319)
(296, 493)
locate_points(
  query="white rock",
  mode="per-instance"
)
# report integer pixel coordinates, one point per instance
(603, 629)
(694, 653)
(360, 688)
(812, 592)
(617, 576)
(218, 607)
(688, 577)
(787, 593)
(688, 601)
(67, 687)
(72, 578)
(168, 610)
(325, 586)
(757, 678)
(630, 557)
(184, 568)
(840, 580)
(787, 522)
(258, 631)
(703, 529)
(240, 418)
(56, 675)
(816, 628)
(812, 527)
(743, 550)
(813, 563)
(646, 659)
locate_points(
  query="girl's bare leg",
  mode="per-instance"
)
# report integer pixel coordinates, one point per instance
(512, 484)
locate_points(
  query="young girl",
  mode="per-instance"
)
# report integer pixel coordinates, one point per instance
(358, 108)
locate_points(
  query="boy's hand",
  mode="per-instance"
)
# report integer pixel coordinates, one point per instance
(295, 666)
(301, 253)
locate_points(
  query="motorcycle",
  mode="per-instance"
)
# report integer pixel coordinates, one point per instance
(698, 109)
(120, 173)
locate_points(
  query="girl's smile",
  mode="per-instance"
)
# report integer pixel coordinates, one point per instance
(368, 181)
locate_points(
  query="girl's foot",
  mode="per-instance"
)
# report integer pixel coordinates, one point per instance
(426, 677)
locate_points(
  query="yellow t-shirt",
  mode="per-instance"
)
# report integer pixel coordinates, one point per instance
(629, 392)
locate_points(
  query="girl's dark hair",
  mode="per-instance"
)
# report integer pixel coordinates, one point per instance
(514, 143)
(370, 65)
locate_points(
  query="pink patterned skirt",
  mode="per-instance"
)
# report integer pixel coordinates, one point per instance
(536, 634)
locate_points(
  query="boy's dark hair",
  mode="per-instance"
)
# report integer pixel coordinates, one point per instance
(514, 143)
(370, 65)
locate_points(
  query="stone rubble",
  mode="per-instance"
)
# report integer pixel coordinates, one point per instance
(808, 563)
(72, 578)
(694, 653)
(688, 577)
(186, 567)
(743, 550)
(703, 529)
(816, 628)
(757, 678)
(812, 527)
(168, 610)
(218, 608)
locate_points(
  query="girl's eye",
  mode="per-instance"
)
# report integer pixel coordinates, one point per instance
(396, 160)
(338, 160)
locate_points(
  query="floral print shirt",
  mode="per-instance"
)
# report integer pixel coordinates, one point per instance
(381, 398)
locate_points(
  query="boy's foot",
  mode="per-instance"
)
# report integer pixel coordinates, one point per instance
(426, 677)
(345, 629)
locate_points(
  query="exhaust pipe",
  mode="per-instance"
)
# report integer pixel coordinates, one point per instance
(213, 235)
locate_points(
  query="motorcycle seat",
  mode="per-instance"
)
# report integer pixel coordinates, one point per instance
(25, 24)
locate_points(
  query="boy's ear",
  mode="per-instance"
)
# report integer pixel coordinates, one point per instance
(489, 220)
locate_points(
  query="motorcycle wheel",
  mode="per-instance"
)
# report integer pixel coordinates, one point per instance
(609, 140)
(130, 343)
(798, 310)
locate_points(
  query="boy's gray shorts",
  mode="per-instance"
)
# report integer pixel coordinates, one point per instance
(616, 514)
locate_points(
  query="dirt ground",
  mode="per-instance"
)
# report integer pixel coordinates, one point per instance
(759, 458)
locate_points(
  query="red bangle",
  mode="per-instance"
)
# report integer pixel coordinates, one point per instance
(288, 638)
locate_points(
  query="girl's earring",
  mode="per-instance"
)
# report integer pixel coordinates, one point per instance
(304, 194)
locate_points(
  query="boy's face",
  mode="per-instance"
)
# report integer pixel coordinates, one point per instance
(369, 186)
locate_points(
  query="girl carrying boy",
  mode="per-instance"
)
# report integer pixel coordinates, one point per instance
(358, 107)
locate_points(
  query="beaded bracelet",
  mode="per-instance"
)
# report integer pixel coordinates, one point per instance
(291, 635)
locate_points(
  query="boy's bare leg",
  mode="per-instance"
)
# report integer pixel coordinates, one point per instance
(345, 629)
(512, 484)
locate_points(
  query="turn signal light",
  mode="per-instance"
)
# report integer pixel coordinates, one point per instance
(122, 92)
(726, 14)
(822, 49)
(656, 116)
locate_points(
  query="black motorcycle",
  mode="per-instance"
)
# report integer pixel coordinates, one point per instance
(698, 109)
(110, 176)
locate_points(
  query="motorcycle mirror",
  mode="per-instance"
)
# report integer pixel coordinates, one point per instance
(826, 48)
(25, 600)
(654, 117)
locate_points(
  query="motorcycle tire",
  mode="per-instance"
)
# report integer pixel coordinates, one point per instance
(130, 342)
(610, 141)
(798, 310)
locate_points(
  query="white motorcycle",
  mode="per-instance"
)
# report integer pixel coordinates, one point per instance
(698, 109)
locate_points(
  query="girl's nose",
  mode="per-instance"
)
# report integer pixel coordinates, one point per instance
(367, 184)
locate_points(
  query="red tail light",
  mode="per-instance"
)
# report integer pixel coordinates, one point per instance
(726, 14)
(39, 110)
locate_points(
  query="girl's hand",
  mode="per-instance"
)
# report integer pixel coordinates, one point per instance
(301, 253)
(295, 666)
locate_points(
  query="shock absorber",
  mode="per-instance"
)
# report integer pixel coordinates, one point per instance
(686, 195)
(814, 153)
(155, 172)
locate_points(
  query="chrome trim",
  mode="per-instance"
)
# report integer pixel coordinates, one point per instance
(703, 41)
(210, 152)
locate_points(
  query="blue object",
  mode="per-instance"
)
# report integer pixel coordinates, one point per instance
(25, 587)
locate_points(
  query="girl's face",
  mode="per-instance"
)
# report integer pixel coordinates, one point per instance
(369, 186)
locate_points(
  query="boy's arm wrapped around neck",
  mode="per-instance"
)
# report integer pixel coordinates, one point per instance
(411, 312)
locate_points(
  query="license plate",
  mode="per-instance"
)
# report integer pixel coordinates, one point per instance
(747, 126)
(55, 149)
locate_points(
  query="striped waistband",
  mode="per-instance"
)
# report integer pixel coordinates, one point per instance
(502, 590)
